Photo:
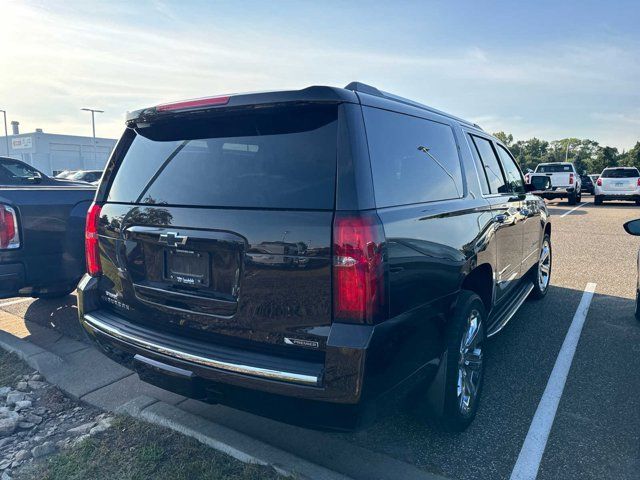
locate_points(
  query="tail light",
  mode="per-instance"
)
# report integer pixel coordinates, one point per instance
(571, 179)
(638, 183)
(599, 182)
(359, 293)
(193, 104)
(91, 247)
(9, 233)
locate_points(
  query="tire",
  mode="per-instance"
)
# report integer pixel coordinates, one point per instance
(51, 295)
(541, 281)
(637, 202)
(637, 312)
(579, 199)
(572, 199)
(597, 200)
(459, 408)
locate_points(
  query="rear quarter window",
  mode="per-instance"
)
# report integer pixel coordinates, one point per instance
(413, 160)
(274, 158)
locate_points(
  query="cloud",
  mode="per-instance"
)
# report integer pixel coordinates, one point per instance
(124, 56)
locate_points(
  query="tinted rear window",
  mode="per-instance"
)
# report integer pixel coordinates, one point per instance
(270, 158)
(413, 160)
(553, 168)
(621, 173)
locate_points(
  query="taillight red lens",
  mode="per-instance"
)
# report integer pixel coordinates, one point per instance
(638, 183)
(193, 104)
(91, 247)
(9, 235)
(359, 293)
(599, 182)
(571, 179)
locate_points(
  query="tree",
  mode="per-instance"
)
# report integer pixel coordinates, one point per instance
(504, 138)
(606, 157)
(632, 157)
(587, 155)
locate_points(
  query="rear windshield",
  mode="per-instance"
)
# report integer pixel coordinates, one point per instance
(553, 168)
(621, 173)
(270, 158)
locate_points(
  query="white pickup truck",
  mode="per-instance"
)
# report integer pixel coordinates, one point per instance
(565, 181)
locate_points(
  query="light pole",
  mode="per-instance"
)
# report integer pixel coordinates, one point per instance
(566, 155)
(93, 126)
(6, 135)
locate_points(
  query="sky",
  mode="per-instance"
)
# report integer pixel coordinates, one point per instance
(549, 69)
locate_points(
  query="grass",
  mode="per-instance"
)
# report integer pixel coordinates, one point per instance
(11, 366)
(133, 450)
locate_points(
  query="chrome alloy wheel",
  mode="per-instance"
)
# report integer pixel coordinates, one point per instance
(470, 363)
(544, 266)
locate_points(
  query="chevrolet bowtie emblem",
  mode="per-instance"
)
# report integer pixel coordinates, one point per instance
(173, 239)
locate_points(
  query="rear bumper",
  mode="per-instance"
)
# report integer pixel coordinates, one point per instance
(559, 192)
(26, 274)
(357, 379)
(629, 195)
(11, 279)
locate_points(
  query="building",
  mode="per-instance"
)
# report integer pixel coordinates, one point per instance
(52, 153)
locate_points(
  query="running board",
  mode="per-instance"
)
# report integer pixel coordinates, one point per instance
(507, 311)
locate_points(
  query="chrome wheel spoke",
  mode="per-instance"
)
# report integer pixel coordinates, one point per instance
(470, 363)
(544, 266)
(473, 360)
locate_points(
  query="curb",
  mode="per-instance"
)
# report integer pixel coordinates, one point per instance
(151, 410)
(223, 439)
(34, 356)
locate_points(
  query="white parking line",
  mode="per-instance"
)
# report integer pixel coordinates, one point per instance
(573, 209)
(528, 463)
(13, 302)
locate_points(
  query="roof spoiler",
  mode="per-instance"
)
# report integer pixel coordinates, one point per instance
(189, 108)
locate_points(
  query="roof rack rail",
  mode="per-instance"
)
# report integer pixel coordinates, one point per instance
(370, 90)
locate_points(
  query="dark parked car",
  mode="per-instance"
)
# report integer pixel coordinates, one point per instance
(41, 231)
(311, 255)
(587, 184)
(88, 176)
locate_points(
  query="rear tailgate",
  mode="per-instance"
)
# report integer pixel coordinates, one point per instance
(220, 227)
(559, 179)
(619, 184)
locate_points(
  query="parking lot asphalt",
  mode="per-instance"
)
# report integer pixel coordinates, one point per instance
(596, 428)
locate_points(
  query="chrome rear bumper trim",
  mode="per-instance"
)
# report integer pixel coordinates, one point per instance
(290, 377)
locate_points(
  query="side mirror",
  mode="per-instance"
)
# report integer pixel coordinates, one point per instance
(633, 227)
(538, 183)
(37, 178)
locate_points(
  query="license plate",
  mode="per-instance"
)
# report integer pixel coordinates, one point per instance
(619, 184)
(186, 267)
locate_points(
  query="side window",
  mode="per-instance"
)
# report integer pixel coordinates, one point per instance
(413, 160)
(493, 172)
(482, 175)
(514, 177)
(14, 173)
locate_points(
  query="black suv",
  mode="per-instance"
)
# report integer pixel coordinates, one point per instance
(311, 255)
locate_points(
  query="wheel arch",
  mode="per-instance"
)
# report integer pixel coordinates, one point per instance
(480, 281)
